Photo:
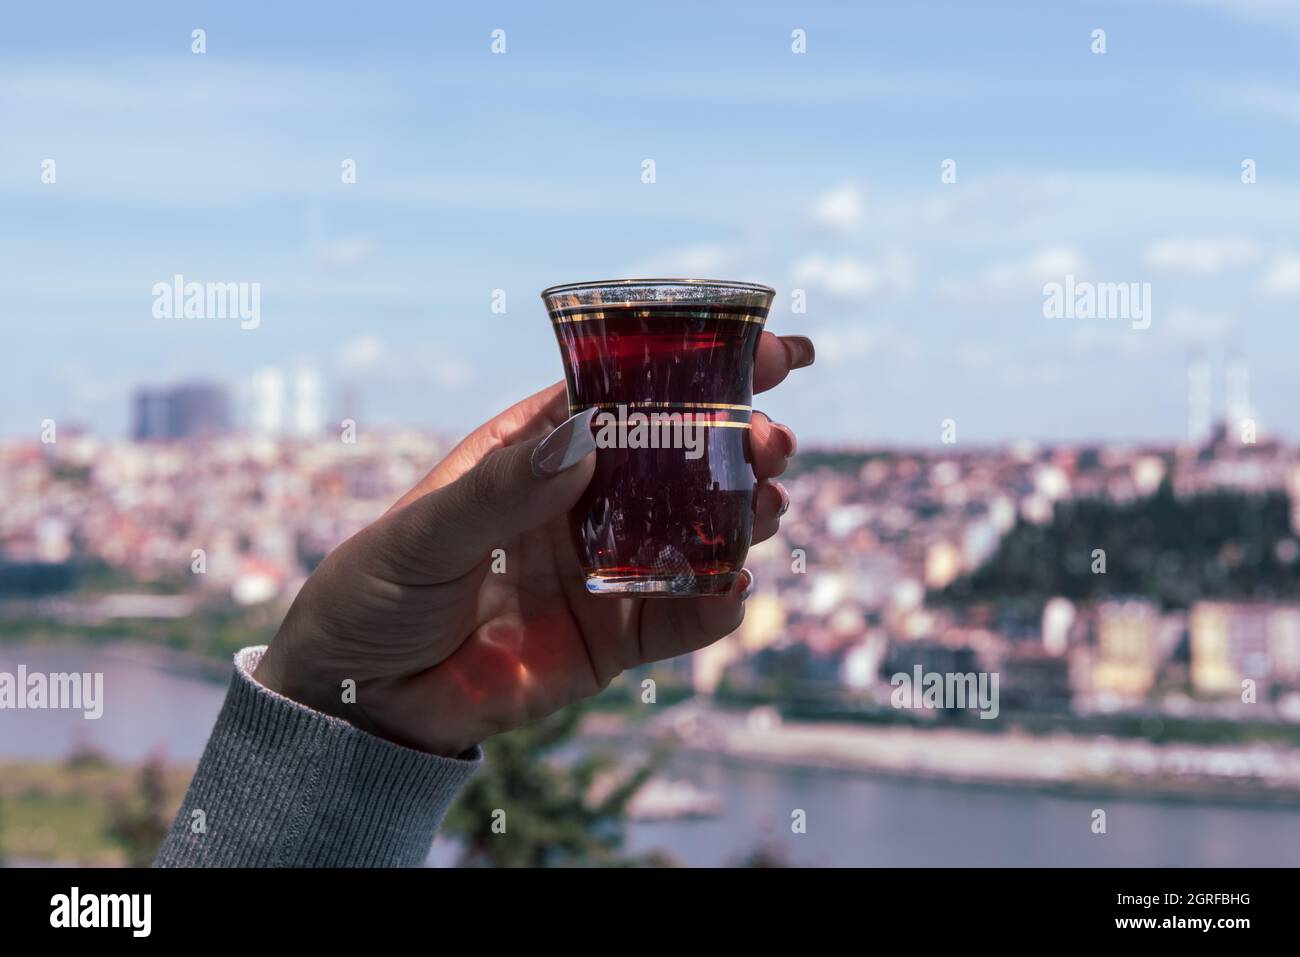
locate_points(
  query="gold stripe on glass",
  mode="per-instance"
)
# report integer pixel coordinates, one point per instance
(574, 409)
(623, 315)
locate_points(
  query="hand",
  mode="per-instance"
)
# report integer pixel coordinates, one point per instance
(445, 654)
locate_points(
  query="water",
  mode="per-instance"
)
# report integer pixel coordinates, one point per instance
(855, 820)
(152, 705)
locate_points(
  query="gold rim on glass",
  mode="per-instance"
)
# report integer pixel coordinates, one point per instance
(707, 283)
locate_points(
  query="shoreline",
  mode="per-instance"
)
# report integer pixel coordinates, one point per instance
(1265, 777)
(1263, 800)
(169, 660)
(1061, 764)
(190, 664)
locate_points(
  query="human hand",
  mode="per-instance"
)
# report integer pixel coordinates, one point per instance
(444, 654)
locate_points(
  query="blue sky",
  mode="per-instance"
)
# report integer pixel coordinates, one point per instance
(818, 171)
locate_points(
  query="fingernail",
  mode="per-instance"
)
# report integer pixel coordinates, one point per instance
(566, 446)
(791, 443)
(802, 353)
(785, 498)
(749, 584)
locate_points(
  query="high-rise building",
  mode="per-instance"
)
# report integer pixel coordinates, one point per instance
(308, 409)
(1199, 413)
(283, 404)
(266, 397)
(188, 411)
(1236, 385)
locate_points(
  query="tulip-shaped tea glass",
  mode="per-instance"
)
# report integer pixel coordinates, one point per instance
(669, 365)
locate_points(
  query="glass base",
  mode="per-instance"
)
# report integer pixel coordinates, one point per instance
(697, 586)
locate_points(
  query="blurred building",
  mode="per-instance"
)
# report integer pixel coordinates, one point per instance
(286, 404)
(763, 626)
(308, 417)
(1036, 680)
(1233, 641)
(1128, 653)
(1199, 408)
(932, 656)
(267, 400)
(195, 410)
(1058, 618)
(943, 563)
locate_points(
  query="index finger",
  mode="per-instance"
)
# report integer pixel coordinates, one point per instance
(526, 419)
(777, 355)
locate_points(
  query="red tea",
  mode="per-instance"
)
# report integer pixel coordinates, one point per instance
(677, 518)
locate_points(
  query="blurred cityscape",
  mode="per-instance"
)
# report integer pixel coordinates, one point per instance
(1123, 611)
(1138, 604)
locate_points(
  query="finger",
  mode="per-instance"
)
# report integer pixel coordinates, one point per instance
(777, 355)
(527, 419)
(676, 626)
(514, 489)
(771, 501)
(771, 445)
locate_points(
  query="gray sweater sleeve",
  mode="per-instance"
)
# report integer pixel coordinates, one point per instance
(281, 785)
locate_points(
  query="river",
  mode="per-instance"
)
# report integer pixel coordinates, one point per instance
(159, 705)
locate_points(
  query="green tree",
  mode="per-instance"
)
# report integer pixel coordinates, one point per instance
(559, 807)
(139, 821)
(1218, 544)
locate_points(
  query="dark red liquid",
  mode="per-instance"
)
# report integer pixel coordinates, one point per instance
(654, 519)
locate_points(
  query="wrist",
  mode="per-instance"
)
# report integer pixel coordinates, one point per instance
(276, 673)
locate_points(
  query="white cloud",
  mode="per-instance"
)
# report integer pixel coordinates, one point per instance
(453, 373)
(1042, 265)
(704, 261)
(1204, 256)
(841, 208)
(1014, 279)
(361, 354)
(1173, 331)
(978, 355)
(1007, 366)
(841, 344)
(1191, 327)
(1020, 375)
(345, 253)
(1280, 103)
(107, 141)
(370, 356)
(849, 278)
(1267, 13)
(1283, 278)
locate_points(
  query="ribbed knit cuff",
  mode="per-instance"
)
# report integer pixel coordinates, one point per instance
(281, 785)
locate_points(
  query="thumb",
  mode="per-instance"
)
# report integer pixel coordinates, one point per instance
(512, 490)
